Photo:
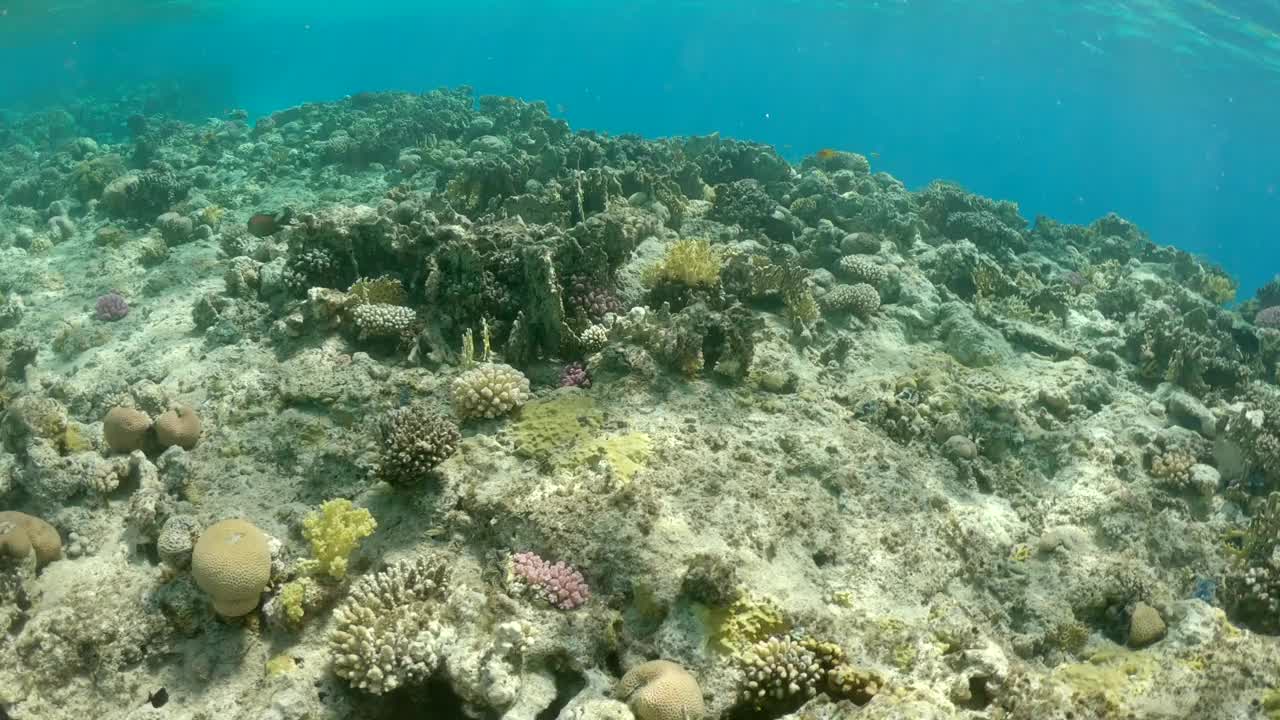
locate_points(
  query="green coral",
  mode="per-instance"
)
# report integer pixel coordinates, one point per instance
(553, 424)
(692, 262)
(625, 454)
(1271, 703)
(749, 620)
(335, 532)
(561, 430)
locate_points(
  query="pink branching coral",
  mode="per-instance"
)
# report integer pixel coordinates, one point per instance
(111, 307)
(559, 584)
(575, 375)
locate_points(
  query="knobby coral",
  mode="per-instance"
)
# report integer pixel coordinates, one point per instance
(387, 632)
(558, 584)
(414, 441)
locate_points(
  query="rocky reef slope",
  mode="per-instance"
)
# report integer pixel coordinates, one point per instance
(428, 406)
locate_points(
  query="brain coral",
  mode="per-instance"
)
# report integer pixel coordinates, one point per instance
(488, 391)
(661, 690)
(21, 534)
(179, 425)
(1145, 626)
(232, 563)
(125, 428)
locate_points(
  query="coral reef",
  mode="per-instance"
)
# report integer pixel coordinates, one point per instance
(829, 446)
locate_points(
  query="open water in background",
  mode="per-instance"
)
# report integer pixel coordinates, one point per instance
(1166, 111)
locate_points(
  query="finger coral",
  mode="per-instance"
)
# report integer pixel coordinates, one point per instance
(387, 633)
(414, 441)
(488, 391)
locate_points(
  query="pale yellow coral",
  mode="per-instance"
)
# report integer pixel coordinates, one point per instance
(335, 532)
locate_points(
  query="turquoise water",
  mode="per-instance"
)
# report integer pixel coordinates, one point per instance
(1160, 110)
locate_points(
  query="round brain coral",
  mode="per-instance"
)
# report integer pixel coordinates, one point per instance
(179, 425)
(232, 563)
(489, 391)
(1145, 626)
(125, 428)
(20, 534)
(661, 690)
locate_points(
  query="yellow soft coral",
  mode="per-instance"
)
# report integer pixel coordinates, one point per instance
(335, 532)
(293, 597)
(692, 262)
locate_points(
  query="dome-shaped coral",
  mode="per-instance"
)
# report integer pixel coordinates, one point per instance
(661, 690)
(179, 425)
(232, 563)
(861, 299)
(125, 428)
(21, 534)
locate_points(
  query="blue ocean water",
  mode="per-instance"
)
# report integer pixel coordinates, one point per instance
(1162, 110)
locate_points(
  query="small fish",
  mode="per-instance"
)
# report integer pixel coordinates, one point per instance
(158, 698)
(265, 224)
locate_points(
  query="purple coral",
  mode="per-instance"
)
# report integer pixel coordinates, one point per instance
(111, 307)
(592, 301)
(575, 375)
(1268, 318)
(559, 584)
